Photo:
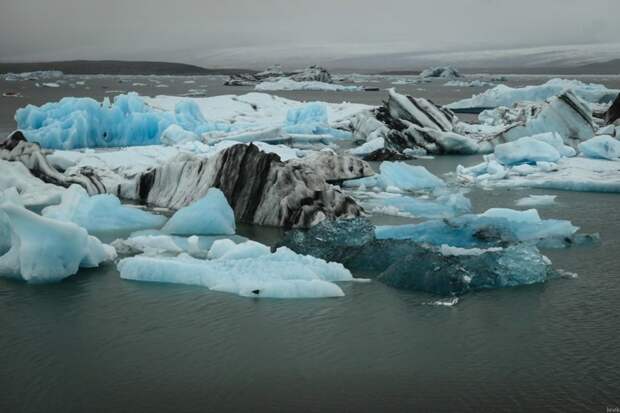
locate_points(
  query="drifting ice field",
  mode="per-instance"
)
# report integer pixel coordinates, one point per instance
(223, 341)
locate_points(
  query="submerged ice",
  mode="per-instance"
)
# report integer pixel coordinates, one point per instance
(408, 264)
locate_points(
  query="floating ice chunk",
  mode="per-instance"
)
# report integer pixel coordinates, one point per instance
(410, 265)
(400, 175)
(45, 250)
(494, 226)
(36, 75)
(100, 213)
(502, 95)
(536, 200)
(288, 84)
(601, 147)
(446, 302)
(526, 150)
(457, 274)
(441, 72)
(84, 122)
(568, 174)
(446, 205)
(282, 274)
(211, 215)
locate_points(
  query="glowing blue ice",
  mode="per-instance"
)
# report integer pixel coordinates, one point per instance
(489, 228)
(42, 250)
(399, 176)
(100, 213)
(211, 215)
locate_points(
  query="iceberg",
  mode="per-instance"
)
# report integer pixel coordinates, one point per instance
(526, 150)
(536, 200)
(568, 174)
(40, 250)
(446, 205)
(444, 72)
(36, 75)
(601, 147)
(15, 148)
(566, 115)
(210, 215)
(84, 122)
(151, 242)
(502, 95)
(100, 213)
(493, 227)
(290, 84)
(275, 73)
(246, 269)
(445, 275)
(408, 123)
(334, 167)
(399, 176)
(133, 120)
(260, 187)
(406, 264)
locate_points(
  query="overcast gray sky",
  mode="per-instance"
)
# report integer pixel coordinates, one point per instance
(217, 33)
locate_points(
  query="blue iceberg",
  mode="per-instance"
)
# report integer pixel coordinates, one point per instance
(399, 176)
(211, 215)
(40, 250)
(526, 150)
(601, 147)
(100, 213)
(407, 264)
(84, 122)
(248, 269)
(493, 227)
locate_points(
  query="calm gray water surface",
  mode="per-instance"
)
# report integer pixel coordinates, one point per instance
(96, 343)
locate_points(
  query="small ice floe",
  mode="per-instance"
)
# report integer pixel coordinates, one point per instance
(12, 94)
(51, 84)
(567, 274)
(445, 302)
(536, 200)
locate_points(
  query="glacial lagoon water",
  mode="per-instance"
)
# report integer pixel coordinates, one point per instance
(97, 343)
